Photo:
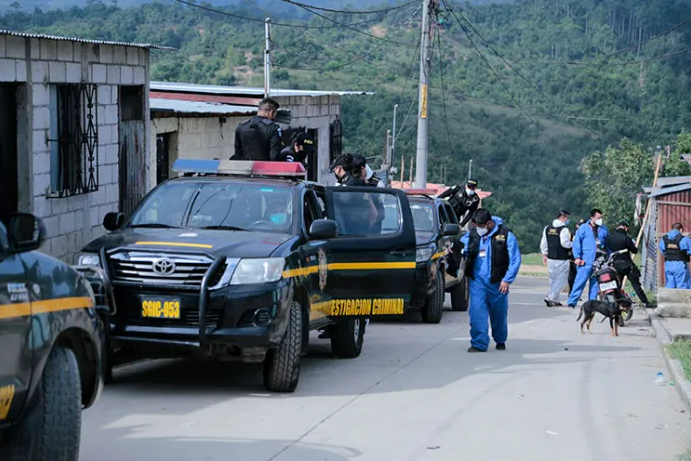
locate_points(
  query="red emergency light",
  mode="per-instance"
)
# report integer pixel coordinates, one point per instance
(421, 192)
(240, 168)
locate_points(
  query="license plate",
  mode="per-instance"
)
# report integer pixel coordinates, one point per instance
(160, 308)
(608, 286)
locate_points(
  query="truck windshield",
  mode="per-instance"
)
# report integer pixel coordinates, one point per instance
(225, 206)
(423, 216)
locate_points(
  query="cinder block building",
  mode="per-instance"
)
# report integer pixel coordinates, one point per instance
(74, 132)
(199, 121)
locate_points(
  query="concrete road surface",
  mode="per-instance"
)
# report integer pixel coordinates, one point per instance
(414, 394)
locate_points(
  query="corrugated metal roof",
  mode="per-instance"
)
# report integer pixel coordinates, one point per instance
(194, 107)
(659, 192)
(245, 91)
(673, 180)
(83, 40)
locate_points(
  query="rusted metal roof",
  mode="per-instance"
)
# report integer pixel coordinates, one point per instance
(244, 91)
(173, 106)
(83, 40)
(660, 192)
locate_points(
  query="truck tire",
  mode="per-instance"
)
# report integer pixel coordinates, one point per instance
(433, 309)
(459, 296)
(51, 428)
(282, 364)
(347, 337)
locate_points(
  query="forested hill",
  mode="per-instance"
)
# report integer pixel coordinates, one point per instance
(541, 84)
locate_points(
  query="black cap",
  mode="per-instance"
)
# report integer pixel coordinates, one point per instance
(623, 223)
(344, 160)
(471, 183)
(304, 139)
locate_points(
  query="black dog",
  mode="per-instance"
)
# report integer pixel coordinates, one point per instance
(612, 311)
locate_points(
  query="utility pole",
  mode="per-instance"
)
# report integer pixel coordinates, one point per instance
(267, 57)
(430, 9)
(393, 135)
(470, 169)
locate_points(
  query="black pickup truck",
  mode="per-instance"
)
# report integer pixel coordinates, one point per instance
(51, 339)
(436, 229)
(238, 260)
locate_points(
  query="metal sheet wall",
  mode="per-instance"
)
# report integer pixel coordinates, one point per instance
(672, 208)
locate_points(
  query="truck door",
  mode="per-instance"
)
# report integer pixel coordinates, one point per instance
(15, 326)
(372, 263)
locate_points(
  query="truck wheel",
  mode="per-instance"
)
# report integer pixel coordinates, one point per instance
(51, 428)
(434, 307)
(347, 337)
(282, 364)
(459, 296)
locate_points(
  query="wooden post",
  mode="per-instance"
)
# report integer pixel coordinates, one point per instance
(412, 167)
(402, 168)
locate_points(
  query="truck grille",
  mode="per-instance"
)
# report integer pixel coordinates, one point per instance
(159, 268)
(188, 318)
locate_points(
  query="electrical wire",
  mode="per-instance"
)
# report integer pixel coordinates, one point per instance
(281, 24)
(654, 58)
(359, 57)
(329, 10)
(345, 26)
(556, 105)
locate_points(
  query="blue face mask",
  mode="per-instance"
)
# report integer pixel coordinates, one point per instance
(567, 222)
(279, 218)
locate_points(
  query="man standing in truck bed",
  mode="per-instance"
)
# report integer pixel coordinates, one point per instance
(259, 138)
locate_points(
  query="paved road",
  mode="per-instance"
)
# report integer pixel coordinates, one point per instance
(414, 394)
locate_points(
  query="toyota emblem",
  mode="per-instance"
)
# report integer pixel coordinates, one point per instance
(164, 266)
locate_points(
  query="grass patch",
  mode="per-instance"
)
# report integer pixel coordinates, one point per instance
(532, 259)
(681, 350)
(533, 274)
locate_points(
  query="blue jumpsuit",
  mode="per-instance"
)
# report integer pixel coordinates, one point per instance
(677, 272)
(485, 298)
(585, 247)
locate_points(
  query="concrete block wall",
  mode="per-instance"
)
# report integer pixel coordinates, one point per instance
(316, 113)
(38, 63)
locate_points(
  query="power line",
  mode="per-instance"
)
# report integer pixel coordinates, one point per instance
(282, 24)
(484, 58)
(513, 68)
(329, 10)
(359, 58)
(345, 26)
(654, 58)
(624, 50)
(410, 69)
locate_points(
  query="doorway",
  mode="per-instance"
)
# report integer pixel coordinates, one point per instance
(8, 151)
(312, 159)
(162, 157)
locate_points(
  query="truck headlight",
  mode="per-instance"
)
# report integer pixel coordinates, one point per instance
(423, 255)
(250, 271)
(89, 259)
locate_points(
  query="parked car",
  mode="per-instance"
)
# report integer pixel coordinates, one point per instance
(51, 339)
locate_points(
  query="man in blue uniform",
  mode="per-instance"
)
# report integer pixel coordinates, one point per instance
(676, 248)
(493, 260)
(590, 239)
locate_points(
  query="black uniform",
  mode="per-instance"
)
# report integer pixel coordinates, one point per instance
(464, 205)
(378, 205)
(288, 154)
(257, 139)
(619, 240)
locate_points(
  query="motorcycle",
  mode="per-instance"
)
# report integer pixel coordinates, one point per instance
(610, 284)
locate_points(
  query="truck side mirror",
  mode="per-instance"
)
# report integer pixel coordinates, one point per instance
(451, 229)
(323, 229)
(25, 232)
(112, 221)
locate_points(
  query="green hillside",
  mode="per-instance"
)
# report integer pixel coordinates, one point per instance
(526, 128)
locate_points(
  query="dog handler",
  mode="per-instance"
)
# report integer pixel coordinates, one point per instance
(676, 248)
(555, 246)
(590, 238)
(493, 260)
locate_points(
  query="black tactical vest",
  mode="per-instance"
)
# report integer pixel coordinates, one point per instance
(554, 248)
(461, 202)
(500, 254)
(672, 250)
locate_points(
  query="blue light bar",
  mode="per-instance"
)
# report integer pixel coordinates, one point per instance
(189, 165)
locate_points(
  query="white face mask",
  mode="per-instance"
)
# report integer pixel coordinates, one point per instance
(481, 231)
(469, 191)
(598, 222)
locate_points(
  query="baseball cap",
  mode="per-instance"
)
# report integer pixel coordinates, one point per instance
(343, 160)
(304, 139)
(472, 183)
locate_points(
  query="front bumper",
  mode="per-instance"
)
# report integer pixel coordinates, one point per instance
(235, 321)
